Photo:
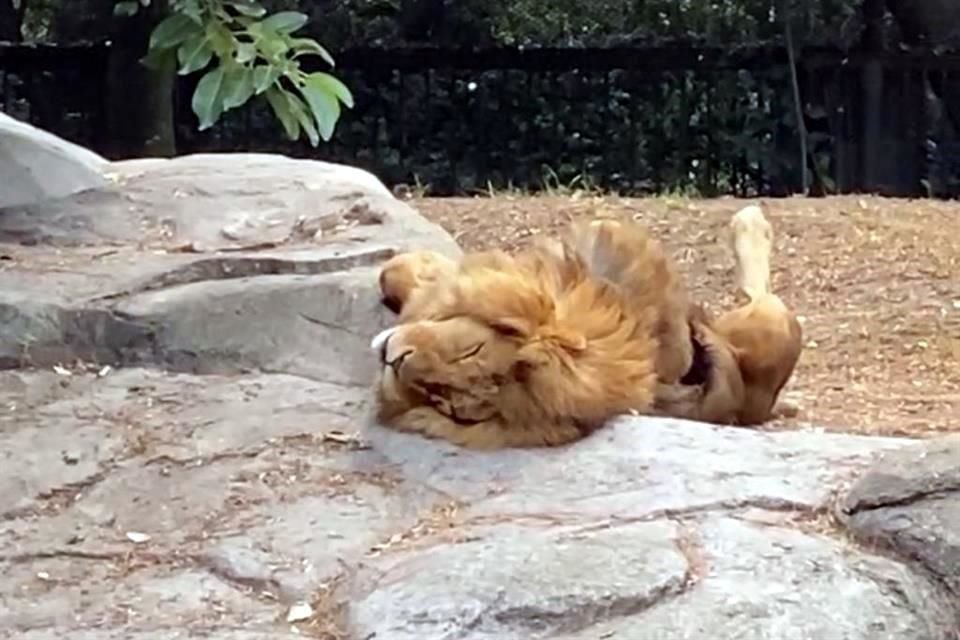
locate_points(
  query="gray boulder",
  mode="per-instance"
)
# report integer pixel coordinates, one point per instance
(909, 503)
(207, 263)
(36, 165)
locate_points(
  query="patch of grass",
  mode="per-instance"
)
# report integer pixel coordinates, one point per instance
(579, 185)
(552, 186)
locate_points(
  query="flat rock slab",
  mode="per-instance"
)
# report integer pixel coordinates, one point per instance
(147, 504)
(218, 201)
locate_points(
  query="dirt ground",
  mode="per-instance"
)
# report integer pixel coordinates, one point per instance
(875, 281)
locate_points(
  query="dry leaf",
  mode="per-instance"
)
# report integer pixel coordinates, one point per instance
(299, 612)
(136, 537)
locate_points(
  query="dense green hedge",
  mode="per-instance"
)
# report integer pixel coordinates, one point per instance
(633, 130)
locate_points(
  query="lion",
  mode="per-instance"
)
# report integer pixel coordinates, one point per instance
(543, 347)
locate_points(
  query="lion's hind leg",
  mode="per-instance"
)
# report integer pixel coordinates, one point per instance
(764, 333)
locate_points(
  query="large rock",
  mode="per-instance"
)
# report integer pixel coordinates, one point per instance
(36, 165)
(207, 263)
(909, 503)
(223, 478)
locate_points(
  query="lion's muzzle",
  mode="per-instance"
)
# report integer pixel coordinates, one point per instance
(392, 358)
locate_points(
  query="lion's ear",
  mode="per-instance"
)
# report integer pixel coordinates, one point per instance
(569, 340)
(574, 342)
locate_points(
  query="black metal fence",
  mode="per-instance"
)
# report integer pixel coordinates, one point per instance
(634, 120)
(631, 119)
(57, 88)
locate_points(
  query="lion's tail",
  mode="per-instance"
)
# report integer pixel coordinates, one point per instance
(751, 238)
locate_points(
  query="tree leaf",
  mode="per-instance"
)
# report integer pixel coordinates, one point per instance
(207, 99)
(323, 106)
(158, 59)
(248, 8)
(331, 85)
(194, 54)
(222, 39)
(305, 119)
(308, 45)
(285, 21)
(126, 9)
(281, 107)
(272, 46)
(237, 87)
(190, 9)
(264, 76)
(246, 51)
(173, 30)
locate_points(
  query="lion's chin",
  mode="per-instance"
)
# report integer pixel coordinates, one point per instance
(464, 411)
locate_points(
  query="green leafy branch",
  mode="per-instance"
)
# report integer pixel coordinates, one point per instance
(257, 55)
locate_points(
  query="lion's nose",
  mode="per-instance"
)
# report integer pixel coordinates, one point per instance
(398, 359)
(383, 350)
(379, 342)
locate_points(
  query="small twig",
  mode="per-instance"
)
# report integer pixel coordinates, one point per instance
(76, 554)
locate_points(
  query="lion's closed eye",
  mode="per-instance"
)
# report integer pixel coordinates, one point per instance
(469, 353)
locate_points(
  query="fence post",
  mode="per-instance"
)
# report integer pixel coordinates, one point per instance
(873, 45)
(872, 84)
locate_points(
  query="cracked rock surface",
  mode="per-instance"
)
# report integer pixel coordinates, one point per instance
(187, 452)
(909, 504)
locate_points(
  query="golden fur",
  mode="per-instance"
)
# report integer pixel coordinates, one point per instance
(544, 346)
